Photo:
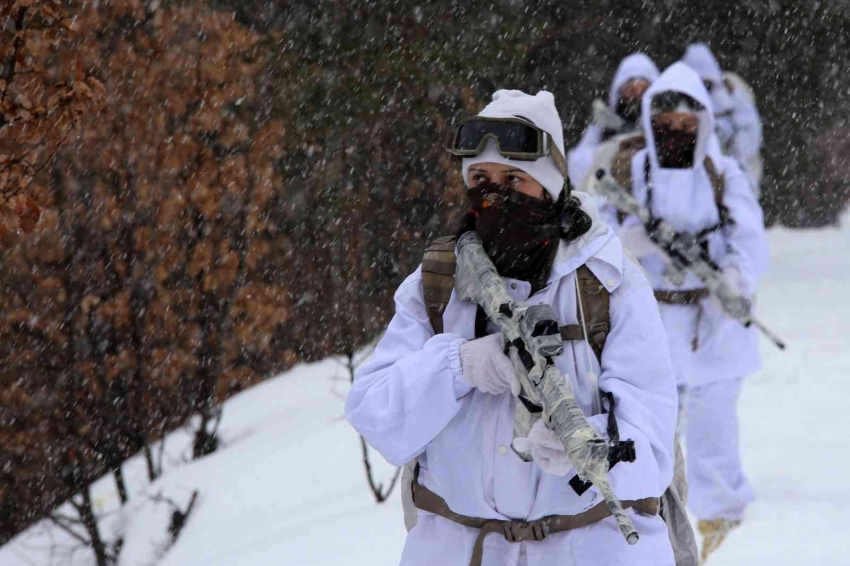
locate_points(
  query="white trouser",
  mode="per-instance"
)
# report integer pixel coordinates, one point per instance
(718, 487)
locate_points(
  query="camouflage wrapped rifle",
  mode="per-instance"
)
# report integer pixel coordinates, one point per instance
(685, 253)
(533, 338)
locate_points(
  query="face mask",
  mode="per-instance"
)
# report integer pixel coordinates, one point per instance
(519, 233)
(628, 110)
(675, 148)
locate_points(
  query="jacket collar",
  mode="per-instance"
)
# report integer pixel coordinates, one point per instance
(598, 248)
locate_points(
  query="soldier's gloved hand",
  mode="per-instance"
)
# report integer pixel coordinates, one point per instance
(486, 367)
(545, 449)
(636, 240)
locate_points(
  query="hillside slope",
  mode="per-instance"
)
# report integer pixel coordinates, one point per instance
(288, 487)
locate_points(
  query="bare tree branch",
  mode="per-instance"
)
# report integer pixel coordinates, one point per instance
(378, 491)
(60, 522)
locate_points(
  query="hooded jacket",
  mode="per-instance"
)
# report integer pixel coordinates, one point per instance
(685, 199)
(411, 401)
(636, 65)
(740, 127)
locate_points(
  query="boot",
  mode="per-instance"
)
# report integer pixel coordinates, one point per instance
(713, 533)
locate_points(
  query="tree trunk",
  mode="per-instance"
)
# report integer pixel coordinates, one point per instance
(152, 471)
(90, 523)
(218, 324)
(206, 441)
(118, 472)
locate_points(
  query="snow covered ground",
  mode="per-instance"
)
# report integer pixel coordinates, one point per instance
(288, 486)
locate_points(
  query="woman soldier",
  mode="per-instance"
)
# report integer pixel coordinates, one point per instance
(448, 399)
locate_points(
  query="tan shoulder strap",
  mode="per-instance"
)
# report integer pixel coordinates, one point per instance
(621, 166)
(718, 183)
(595, 302)
(438, 279)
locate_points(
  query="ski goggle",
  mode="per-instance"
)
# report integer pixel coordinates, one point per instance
(515, 138)
(672, 101)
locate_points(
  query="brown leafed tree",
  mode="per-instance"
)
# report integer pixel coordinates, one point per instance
(144, 296)
(44, 95)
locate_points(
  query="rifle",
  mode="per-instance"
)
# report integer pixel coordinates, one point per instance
(685, 252)
(533, 339)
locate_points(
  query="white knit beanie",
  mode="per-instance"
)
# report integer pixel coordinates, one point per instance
(538, 109)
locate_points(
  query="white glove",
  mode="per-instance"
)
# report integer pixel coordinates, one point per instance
(545, 449)
(486, 367)
(637, 241)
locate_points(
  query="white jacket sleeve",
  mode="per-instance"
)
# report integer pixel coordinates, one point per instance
(745, 238)
(410, 390)
(637, 370)
(748, 130)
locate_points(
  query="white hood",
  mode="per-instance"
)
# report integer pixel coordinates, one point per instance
(636, 65)
(683, 197)
(678, 77)
(700, 58)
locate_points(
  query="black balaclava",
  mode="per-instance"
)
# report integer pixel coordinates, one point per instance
(521, 233)
(629, 110)
(675, 148)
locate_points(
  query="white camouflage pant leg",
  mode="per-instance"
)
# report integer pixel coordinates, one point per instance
(718, 487)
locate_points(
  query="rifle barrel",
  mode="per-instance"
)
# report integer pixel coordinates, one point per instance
(768, 334)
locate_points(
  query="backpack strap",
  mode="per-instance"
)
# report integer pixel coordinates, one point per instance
(438, 278)
(718, 183)
(621, 166)
(595, 302)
